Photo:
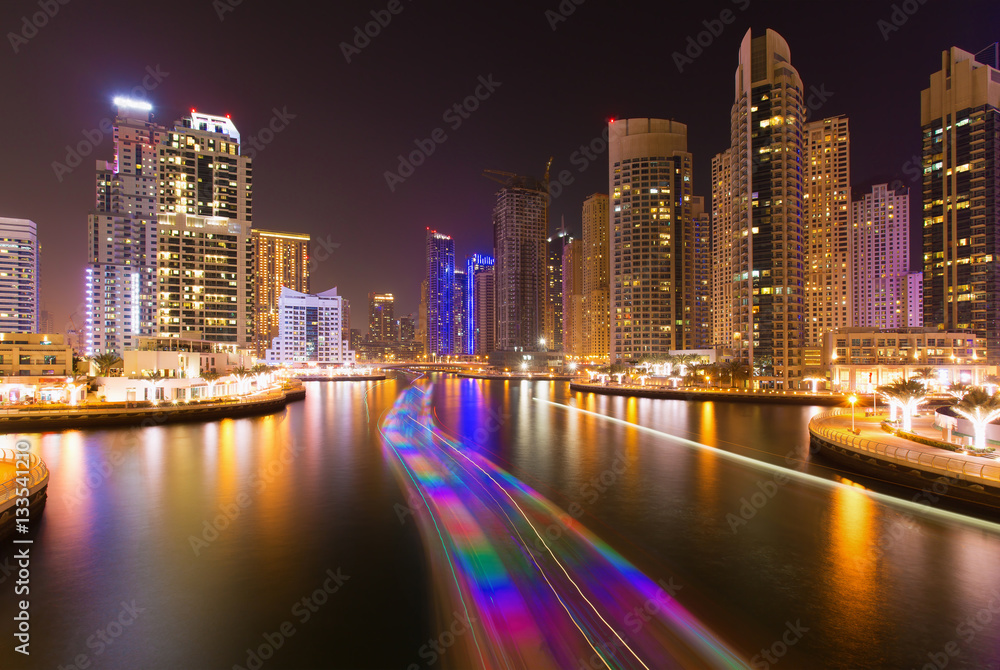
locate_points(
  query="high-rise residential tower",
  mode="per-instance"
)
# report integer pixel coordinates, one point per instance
(697, 264)
(652, 288)
(193, 176)
(573, 299)
(722, 250)
(595, 274)
(885, 294)
(281, 260)
(960, 118)
(311, 330)
(479, 305)
(381, 321)
(554, 288)
(19, 261)
(827, 211)
(767, 227)
(440, 294)
(520, 220)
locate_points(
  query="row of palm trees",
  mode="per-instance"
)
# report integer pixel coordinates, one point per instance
(975, 403)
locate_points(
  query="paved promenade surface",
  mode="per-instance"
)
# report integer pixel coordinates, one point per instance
(872, 439)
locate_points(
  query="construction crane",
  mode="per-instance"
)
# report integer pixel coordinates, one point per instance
(511, 179)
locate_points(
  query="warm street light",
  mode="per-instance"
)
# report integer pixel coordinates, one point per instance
(853, 399)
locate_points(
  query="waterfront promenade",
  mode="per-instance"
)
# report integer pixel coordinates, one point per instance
(713, 393)
(872, 451)
(10, 488)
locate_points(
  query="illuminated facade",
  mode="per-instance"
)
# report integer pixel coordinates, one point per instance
(193, 169)
(520, 221)
(885, 293)
(280, 260)
(381, 321)
(440, 294)
(310, 330)
(960, 118)
(595, 272)
(479, 301)
(205, 279)
(553, 331)
(722, 330)
(575, 324)
(827, 209)
(766, 227)
(652, 285)
(19, 306)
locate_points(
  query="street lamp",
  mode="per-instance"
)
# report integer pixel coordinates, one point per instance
(853, 399)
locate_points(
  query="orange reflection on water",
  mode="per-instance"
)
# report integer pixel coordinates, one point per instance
(852, 578)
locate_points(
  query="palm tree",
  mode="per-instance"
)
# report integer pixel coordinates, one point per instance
(906, 395)
(75, 382)
(981, 408)
(732, 369)
(241, 374)
(154, 377)
(260, 371)
(958, 390)
(924, 375)
(105, 362)
(990, 383)
(210, 377)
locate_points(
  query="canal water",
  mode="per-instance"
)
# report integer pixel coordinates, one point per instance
(288, 541)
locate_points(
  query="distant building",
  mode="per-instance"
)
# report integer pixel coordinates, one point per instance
(723, 330)
(310, 330)
(19, 264)
(33, 366)
(407, 328)
(554, 289)
(520, 222)
(46, 322)
(480, 304)
(826, 202)
(281, 260)
(885, 293)
(575, 324)
(381, 322)
(960, 120)
(440, 294)
(595, 273)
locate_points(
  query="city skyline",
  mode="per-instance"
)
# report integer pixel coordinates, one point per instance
(56, 197)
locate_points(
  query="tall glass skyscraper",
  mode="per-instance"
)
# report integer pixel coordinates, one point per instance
(19, 307)
(440, 294)
(479, 305)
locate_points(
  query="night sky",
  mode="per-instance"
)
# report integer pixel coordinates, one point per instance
(324, 172)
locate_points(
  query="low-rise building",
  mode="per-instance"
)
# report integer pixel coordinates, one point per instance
(34, 366)
(860, 359)
(179, 358)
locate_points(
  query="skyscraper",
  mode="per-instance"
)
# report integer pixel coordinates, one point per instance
(595, 272)
(480, 312)
(19, 299)
(697, 264)
(554, 288)
(280, 260)
(827, 210)
(722, 250)
(652, 283)
(381, 321)
(191, 173)
(766, 230)
(520, 219)
(960, 118)
(575, 324)
(440, 294)
(885, 293)
(458, 306)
